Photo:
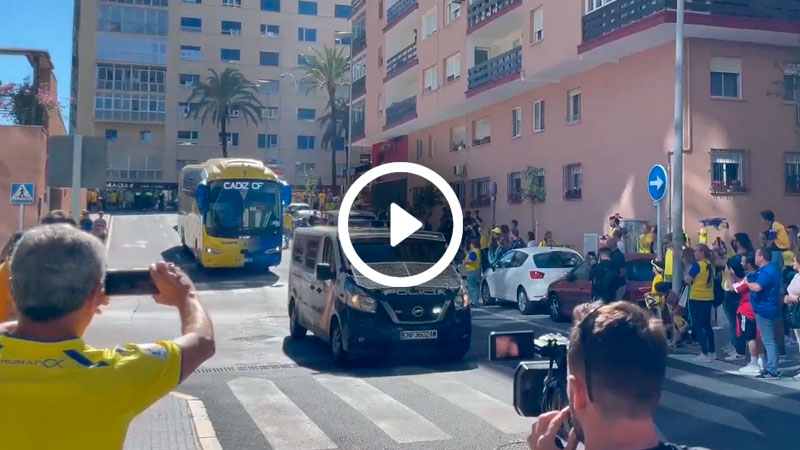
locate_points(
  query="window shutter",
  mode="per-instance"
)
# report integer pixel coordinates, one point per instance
(726, 65)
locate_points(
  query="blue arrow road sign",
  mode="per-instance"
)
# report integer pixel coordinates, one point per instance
(657, 182)
(22, 193)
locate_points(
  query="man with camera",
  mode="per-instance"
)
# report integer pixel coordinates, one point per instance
(57, 391)
(616, 366)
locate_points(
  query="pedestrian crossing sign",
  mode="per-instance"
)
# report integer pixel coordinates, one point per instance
(22, 193)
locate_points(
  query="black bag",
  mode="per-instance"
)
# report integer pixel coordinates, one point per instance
(792, 316)
(719, 292)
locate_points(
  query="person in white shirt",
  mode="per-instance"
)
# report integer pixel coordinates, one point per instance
(532, 239)
(793, 297)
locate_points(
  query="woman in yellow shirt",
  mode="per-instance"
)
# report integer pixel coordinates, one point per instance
(700, 279)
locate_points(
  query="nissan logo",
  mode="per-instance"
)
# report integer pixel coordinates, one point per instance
(417, 311)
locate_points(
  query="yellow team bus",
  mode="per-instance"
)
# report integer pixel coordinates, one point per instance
(231, 213)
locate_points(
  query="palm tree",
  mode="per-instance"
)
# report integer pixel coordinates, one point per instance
(222, 93)
(332, 133)
(327, 70)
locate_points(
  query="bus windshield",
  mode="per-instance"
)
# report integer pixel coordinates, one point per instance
(243, 206)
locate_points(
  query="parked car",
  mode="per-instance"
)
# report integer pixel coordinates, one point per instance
(576, 288)
(359, 317)
(523, 275)
(294, 208)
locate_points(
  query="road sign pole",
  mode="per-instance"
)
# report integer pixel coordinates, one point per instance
(677, 157)
(21, 217)
(77, 150)
(659, 231)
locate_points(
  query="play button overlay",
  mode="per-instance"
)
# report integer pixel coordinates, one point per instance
(401, 223)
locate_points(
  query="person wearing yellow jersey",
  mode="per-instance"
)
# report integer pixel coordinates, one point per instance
(658, 275)
(473, 264)
(776, 239)
(60, 393)
(288, 228)
(703, 233)
(646, 240)
(700, 279)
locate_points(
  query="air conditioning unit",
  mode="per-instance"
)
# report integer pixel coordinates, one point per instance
(234, 114)
(460, 170)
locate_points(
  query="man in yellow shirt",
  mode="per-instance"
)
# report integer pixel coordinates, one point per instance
(288, 228)
(776, 238)
(54, 385)
(646, 239)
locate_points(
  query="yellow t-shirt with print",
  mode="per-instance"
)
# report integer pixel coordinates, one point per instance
(781, 236)
(645, 242)
(288, 222)
(69, 396)
(668, 263)
(703, 284)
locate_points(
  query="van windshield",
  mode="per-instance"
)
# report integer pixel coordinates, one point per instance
(378, 250)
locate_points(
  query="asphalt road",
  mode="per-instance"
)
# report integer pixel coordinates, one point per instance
(263, 391)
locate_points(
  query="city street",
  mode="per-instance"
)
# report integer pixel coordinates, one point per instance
(262, 390)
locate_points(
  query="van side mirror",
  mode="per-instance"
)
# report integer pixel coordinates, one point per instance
(324, 272)
(286, 194)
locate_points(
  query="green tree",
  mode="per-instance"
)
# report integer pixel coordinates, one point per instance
(327, 70)
(222, 93)
(339, 131)
(533, 189)
(311, 184)
(424, 200)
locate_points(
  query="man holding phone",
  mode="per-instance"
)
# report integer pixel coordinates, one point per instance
(59, 392)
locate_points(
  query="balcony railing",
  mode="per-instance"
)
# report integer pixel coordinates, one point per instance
(359, 43)
(496, 68)
(359, 87)
(129, 116)
(402, 59)
(401, 111)
(396, 11)
(482, 10)
(620, 13)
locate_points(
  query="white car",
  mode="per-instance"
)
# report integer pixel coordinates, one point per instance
(523, 275)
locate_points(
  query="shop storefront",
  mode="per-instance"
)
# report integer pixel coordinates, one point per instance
(139, 196)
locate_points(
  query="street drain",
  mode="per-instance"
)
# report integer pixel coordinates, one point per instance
(245, 368)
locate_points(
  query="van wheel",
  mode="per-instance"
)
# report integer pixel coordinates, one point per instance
(486, 295)
(296, 330)
(526, 307)
(338, 353)
(554, 308)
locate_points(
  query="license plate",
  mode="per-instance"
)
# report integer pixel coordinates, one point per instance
(419, 334)
(247, 260)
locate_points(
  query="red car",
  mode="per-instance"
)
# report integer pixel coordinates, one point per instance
(576, 288)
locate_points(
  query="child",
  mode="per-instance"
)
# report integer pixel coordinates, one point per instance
(673, 315)
(745, 316)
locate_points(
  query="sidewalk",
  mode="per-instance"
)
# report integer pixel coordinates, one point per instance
(176, 422)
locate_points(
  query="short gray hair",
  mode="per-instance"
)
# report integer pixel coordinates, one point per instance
(54, 270)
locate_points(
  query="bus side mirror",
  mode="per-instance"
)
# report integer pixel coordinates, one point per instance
(202, 197)
(286, 194)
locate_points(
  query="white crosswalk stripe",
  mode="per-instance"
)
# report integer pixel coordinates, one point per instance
(704, 411)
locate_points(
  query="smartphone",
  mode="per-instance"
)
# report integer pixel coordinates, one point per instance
(511, 345)
(130, 282)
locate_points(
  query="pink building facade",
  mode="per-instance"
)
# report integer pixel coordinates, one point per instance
(585, 90)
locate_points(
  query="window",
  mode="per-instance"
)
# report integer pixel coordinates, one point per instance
(191, 24)
(430, 76)
(302, 60)
(269, 87)
(304, 169)
(516, 122)
(481, 192)
(270, 112)
(481, 131)
(452, 11)
(306, 114)
(431, 147)
(574, 106)
(342, 11)
(538, 115)
(233, 139)
(269, 58)
(380, 56)
(307, 34)
(305, 142)
(728, 171)
(267, 141)
(187, 109)
(537, 25)
(341, 171)
(360, 67)
(453, 67)
(419, 149)
(232, 3)
(515, 187)
(129, 106)
(127, 77)
(191, 52)
(573, 181)
(307, 8)
(312, 252)
(271, 5)
(270, 30)
(458, 138)
(111, 135)
(196, 2)
(132, 19)
(231, 28)
(234, 112)
(481, 55)
(188, 79)
(306, 88)
(793, 173)
(146, 137)
(229, 54)
(726, 75)
(187, 137)
(343, 40)
(591, 5)
(429, 22)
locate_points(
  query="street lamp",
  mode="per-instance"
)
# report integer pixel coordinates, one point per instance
(677, 156)
(349, 110)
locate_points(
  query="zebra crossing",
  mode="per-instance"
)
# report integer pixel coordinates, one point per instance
(429, 409)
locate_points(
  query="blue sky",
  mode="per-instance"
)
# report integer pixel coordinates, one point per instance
(39, 24)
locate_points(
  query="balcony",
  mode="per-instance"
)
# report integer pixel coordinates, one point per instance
(129, 116)
(496, 70)
(398, 11)
(482, 11)
(400, 112)
(359, 43)
(359, 87)
(355, 6)
(764, 15)
(401, 61)
(358, 130)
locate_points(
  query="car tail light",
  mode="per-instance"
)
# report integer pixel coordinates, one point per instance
(536, 275)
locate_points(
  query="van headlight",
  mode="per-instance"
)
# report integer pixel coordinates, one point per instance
(462, 299)
(273, 250)
(362, 303)
(212, 251)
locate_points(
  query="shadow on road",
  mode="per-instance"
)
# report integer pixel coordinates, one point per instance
(211, 279)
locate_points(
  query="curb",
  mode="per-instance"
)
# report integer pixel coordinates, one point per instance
(203, 429)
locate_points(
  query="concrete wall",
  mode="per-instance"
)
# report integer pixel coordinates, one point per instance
(23, 154)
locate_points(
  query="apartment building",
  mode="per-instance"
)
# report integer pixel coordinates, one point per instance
(135, 63)
(584, 89)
